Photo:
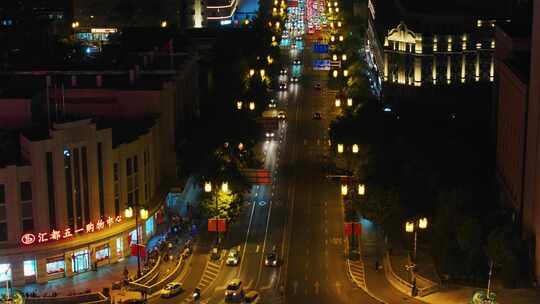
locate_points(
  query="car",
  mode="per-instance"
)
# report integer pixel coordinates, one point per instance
(317, 116)
(252, 297)
(283, 71)
(272, 104)
(269, 134)
(297, 62)
(281, 115)
(233, 258)
(294, 79)
(234, 291)
(171, 289)
(271, 259)
(283, 86)
(317, 86)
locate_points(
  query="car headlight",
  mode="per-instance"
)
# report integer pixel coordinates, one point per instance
(234, 294)
(275, 262)
(267, 135)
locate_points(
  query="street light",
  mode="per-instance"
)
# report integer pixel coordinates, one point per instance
(341, 38)
(224, 189)
(143, 213)
(335, 3)
(413, 227)
(344, 189)
(334, 57)
(345, 73)
(262, 72)
(344, 57)
(339, 24)
(332, 38)
(252, 105)
(239, 105)
(336, 9)
(355, 148)
(361, 189)
(338, 102)
(349, 101)
(251, 72)
(75, 24)
(340, 148)
(164, 23)
(335, 73)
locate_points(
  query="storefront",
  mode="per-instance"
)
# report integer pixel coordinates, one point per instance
(103, 255)
(80, 261)
(29, 270)
(5, 272)
(55, 267)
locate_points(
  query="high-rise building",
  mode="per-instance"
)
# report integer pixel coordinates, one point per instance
(518, 122)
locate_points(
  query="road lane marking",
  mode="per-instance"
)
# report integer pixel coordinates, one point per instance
(257, 249)
(295, 287)
(264, 243)
(338, 287)
(247, 237)
(317, 286)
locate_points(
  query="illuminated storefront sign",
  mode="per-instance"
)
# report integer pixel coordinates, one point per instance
(103, 30)
(66, 233)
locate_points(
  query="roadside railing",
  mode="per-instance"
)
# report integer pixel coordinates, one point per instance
(405, 286)
(94, 297)
(148, 274)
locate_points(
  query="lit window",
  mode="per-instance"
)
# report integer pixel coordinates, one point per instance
(55, 266)
(102, 253)
(5, 272)
(29, 268)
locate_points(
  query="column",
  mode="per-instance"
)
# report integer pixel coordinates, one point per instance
(113, 256)
(68, 261)
(41, 271)
(417, 71)
(17, 272)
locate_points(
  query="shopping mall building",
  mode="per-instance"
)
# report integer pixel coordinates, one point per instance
(79, 148)
(419, 45)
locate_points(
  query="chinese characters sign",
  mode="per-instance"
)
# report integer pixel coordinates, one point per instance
(66, 233)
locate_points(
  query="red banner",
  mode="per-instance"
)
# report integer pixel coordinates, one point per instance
(351, 228)
(217, 225)
(140, 248)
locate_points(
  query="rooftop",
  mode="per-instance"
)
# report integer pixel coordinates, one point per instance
(478, 8)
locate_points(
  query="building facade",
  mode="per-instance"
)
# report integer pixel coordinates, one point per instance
(107, 143)
(427, 44)
(518, 119)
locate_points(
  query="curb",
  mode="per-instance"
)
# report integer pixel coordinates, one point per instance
(364, 288)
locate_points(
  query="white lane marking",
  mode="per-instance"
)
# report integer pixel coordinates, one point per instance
(247, 237)
(257, 249)
(338, 287)
(264, 243)
(317, 286)
(295, 287)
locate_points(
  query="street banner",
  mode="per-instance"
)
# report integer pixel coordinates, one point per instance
(140, 248)
(219, 224)
(351, 228)
(320, 48)
(321, 65)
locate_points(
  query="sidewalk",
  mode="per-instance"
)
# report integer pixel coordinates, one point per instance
(373, 249)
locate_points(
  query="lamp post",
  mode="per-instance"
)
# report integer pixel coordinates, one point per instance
(143, 213)
(413, 227)
(224, 189)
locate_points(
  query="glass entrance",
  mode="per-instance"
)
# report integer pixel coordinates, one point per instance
(81, 261)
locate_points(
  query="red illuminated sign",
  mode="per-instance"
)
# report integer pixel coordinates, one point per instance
(66, 233)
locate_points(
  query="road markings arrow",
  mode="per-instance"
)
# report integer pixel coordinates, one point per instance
(317, 286)
(338, 287)
(295, 287)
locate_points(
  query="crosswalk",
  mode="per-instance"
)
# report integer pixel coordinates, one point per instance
(356, 271)
(210, 273)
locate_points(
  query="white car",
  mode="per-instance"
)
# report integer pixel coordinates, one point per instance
(171, 290)
(233, 258)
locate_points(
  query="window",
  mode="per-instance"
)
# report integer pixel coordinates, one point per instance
(26, 191)
(102, 253)
(5, 272)
(55, 266)
(28, 225)
(2, 194)
(86, 195)
(100, 179)
(115, 171)
(129, 168)
(3, 232)
(29, 267)
(119, 246)
(149, 226)
(50, 189)
(135, 164)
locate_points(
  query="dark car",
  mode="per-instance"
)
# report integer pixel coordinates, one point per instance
(283, 86)
(317, 86)
(271, 259)
(317, 116)
(297, 62)
(294, 79)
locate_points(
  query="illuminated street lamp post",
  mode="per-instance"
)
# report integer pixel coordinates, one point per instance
(413, 227)
(143, 213)
(224, 189)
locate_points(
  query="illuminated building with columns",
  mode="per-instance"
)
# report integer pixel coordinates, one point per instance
(79, 148)
(432, 43)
